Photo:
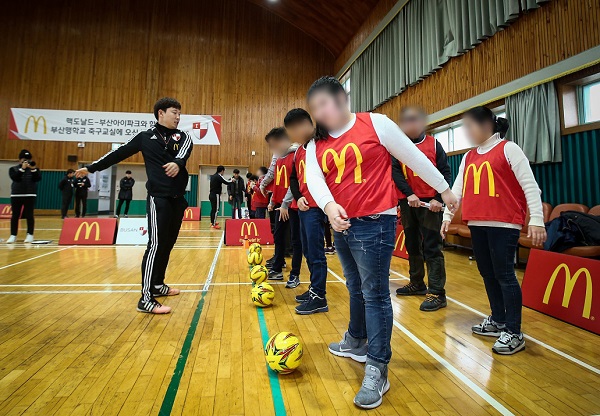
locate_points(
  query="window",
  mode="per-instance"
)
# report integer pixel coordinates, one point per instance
(444, 138)
(346, 83)
(590, 102)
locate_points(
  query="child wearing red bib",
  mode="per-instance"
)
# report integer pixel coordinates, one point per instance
(349, 175)
(497, 186)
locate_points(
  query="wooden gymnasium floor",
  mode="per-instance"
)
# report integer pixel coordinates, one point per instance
(71, 342)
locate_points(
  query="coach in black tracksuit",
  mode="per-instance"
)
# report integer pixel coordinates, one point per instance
(214, 196)
(66, 189)
(165, 150)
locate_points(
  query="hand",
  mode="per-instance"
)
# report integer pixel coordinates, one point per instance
(24, 165)
(444, 229)
(537, 234)
(414, 201)
(303, 204)
(231, 197)
(171, 169)
(270, 207)
(284, 214)
(450, 200)
(337, 217)
(80, 173)
(435, 206)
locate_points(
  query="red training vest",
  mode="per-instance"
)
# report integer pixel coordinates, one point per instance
(418, 185)
(300, 161)
(281, 181)
(258, 199)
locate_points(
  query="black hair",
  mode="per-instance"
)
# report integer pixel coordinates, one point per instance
(70, 171)
(127, 172)
(220, 168)
(295, 116)
(164, 104)
(263, 170)
(332, 86)
(236, 171)
(249, 175)
(276, 133)
(417, 108)
(483, 115)
(254, 178)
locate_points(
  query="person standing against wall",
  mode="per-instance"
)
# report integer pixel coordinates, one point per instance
(66, 188)
(236, 191)
(25, 177)
(216, 188)
(125, 193)
(82, 184)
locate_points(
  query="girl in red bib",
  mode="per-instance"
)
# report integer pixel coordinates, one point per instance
(497, 186)
(349, 175)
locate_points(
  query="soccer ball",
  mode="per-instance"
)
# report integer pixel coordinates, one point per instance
(259, 274)
(255, 248)
(262, 295)
(255, 258)
(283, 352)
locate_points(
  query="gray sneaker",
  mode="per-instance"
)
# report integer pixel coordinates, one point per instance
(374, 386)
(488, 328)
(350, 347)
(509, 343)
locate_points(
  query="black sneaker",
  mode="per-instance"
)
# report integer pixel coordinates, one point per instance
(411, 290)
(330, 250)
(164, 290)
(433, 302)
(270, 262)
(152, 306)
(303, 297)
(314, 304)
(294, 281)
(488, 328)
(509, 343)
(273, 275)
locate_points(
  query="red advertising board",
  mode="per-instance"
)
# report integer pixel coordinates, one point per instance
(257, 231)
(6, 211)
(565, 287)
(191, 214)
(400, 244)
(88, 231)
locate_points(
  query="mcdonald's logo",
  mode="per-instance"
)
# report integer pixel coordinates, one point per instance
(36, 123)
(401, 237)
(340, 162)
(189, 214)
(6, 210)
(406, 173)
(477, 171)
(570, 282)
(88, 230)
(281, 170)
(247, 226)
(176, 146)
(301, 170)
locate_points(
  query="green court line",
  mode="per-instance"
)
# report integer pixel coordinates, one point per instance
(273, 377)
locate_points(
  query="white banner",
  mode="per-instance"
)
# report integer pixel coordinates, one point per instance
(104, 127)
(132, 231)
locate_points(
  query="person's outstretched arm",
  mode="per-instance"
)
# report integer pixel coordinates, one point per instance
(115, 156)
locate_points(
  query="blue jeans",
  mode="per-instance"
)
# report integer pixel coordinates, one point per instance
(365, 251)
(260, 213)
(495, 250)
(312, 233)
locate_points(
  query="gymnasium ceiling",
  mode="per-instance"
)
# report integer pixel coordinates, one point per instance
(331, 22)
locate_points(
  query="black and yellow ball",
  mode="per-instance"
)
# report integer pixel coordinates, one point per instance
(255, 248)
(283, 352)
(255, 258)
(262, 295)
(259, 274)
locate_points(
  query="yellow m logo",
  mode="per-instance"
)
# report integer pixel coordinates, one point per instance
(176, 146)
(340, 162)
(401, 239)
(570, 282)
(189, 213)
(7, 209)
(281, 170)
(477, 171)
(248, 226)
(301, 170)
(36, 123)
(88, 230)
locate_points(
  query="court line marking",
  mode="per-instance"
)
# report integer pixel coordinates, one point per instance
(447, 365)
(33, 258)
(80, 292)
(528, 337)
(171, 393)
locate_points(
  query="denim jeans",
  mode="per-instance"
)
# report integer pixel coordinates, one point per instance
(280, 238)
(365, 251)
(260, 213)
(312, 232)
(495, 250)
(236, 206)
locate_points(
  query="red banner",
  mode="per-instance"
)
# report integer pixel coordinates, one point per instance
(565, 287)
(88, 231)
(257, 231)
(6, 211)
(400, 244)
(192, 214)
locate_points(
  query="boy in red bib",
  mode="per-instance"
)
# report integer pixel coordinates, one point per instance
(497, 186)
(259, 200)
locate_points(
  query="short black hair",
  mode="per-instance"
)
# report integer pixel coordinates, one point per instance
(254, 177)
(483, 115)
(165, 103)
(70, 171)
(330, 84)
(413, 107)
(276, 133)
(296, 115)
(249, 175)
(263, 170)
(128, 172)
(220, 168)
(236, 171)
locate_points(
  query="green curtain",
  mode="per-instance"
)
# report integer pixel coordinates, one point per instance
(535, 123)
(421, 38)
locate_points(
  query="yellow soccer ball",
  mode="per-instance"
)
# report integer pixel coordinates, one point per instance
(262, 295)
(255, 248)
(255, 258)
(259, 274)
(283, 352)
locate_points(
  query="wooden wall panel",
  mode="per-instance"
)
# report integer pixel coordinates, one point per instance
(230, 57)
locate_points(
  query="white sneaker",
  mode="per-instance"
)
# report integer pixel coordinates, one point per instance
(12, 239)
(29, 238)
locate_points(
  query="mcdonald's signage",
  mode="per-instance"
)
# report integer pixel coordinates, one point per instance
(36, 124)
(340, 162)
(88, 231)
(400, 242)
(191, 214)
(5, 211)
(565, 287)
(256, 231)
(477, 172)
(281, 172)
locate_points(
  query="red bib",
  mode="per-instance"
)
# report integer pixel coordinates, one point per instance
(491, 191)
(258, 199)
(281, 181)
(358, 169)
(300, 161)
(418, 185)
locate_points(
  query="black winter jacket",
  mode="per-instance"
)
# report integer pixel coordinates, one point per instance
(24, 181)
